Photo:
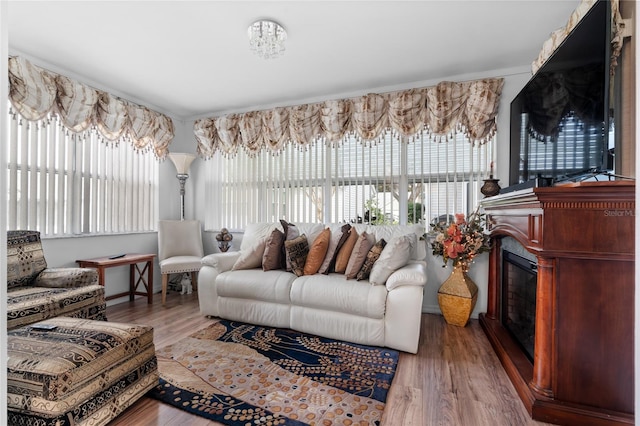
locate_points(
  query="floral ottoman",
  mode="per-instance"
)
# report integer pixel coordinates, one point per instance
(79, 372)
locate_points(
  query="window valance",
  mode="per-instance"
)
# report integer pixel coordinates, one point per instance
(469, 107)
(559, 35)
(35, 92)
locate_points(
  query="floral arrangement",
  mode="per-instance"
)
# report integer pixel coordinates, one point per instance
(461, 240)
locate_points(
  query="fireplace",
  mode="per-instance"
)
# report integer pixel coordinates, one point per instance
(560, 299)
(518, 310)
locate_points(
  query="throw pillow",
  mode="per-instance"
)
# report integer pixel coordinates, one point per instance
(372, 256)
(297, 251)
(317, 252)
(342, 259)
(272, 258)
(395, 255)
(290, 232)
(252, 257)
(359, 254)
(337, 240)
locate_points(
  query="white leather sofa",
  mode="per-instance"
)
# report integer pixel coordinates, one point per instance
(327, 305)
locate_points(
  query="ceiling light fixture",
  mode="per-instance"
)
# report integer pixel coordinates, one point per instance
(266, 39)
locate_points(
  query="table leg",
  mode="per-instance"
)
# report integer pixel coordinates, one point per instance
(100, 275)
(132, 286)
(150, 282)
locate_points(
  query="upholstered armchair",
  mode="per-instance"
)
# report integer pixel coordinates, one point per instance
(179, 250)
(35, 292)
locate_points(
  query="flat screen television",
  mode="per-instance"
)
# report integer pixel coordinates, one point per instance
(562, 121)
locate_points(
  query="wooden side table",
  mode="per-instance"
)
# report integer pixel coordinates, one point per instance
(136, 274)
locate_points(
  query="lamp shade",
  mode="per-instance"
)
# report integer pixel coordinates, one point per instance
(182, 161)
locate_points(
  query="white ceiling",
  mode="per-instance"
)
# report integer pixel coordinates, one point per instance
(190, 59)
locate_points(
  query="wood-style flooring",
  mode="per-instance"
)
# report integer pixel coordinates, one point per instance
(454, 379)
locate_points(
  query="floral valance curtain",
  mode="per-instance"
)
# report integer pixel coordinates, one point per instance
(468, 107)
(558, 36)
(35, 92)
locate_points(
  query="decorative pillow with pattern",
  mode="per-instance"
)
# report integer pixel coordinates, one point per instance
(372, 256)
(25, 258)
(290, 232)
(297, 251)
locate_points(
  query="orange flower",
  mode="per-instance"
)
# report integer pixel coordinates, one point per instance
(453, 248)
(461, 240)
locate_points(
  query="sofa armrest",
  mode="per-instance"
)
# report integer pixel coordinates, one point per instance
(414, 274)
(66, 277)
(221, 262)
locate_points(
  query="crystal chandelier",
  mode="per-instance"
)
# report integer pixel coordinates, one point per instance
(266, 39)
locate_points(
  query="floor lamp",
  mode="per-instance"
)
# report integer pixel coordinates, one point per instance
(182, 162)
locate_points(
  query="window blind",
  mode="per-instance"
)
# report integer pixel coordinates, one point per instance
(397, 180)
(65, 183)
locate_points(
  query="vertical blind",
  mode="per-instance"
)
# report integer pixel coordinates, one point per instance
(398, 180)
(65, 183)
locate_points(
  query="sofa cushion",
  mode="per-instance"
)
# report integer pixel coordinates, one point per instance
(66, 277)
(334, 292)
(338, 237)
(256, 284)
(25, 258)
(342, 259)
(252, 257)
(395, 255)
(254, 232)
(290, 232)
(272, 258)
(388, 232)
(359, 254)
(297, 251)
(371, 259)
(317, 252)
(26, 305)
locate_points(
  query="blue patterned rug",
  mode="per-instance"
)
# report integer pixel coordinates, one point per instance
(239, 374)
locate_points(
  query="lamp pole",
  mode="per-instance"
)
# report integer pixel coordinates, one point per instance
(182, 177)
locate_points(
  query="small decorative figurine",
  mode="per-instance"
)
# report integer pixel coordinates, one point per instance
(224, 239)
(187, 288)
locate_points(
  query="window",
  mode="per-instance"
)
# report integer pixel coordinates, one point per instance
(397, 180)
(64, 183)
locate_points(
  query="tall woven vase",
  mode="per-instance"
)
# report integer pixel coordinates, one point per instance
(457, 297)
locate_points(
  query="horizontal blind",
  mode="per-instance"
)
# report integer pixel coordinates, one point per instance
(64, 183)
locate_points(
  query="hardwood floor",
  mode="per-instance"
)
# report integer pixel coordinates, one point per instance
(454, 379)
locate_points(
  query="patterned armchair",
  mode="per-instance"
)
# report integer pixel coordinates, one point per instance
(35, 292)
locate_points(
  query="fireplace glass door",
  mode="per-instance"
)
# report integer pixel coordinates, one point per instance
(518, 313)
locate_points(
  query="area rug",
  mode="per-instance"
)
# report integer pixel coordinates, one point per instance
(241, 374)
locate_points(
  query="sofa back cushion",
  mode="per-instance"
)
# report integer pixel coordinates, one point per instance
(25, 258)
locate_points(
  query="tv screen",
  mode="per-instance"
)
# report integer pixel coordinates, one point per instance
(561, 121)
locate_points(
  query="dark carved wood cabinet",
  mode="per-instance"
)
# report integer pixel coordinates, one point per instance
(581, 239)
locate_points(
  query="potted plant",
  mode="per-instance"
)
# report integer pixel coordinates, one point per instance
(459, 241)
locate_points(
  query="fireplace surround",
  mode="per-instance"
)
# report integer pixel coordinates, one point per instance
(580, 238)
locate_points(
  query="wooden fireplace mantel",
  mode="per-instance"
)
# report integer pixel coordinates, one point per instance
(583, 238)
